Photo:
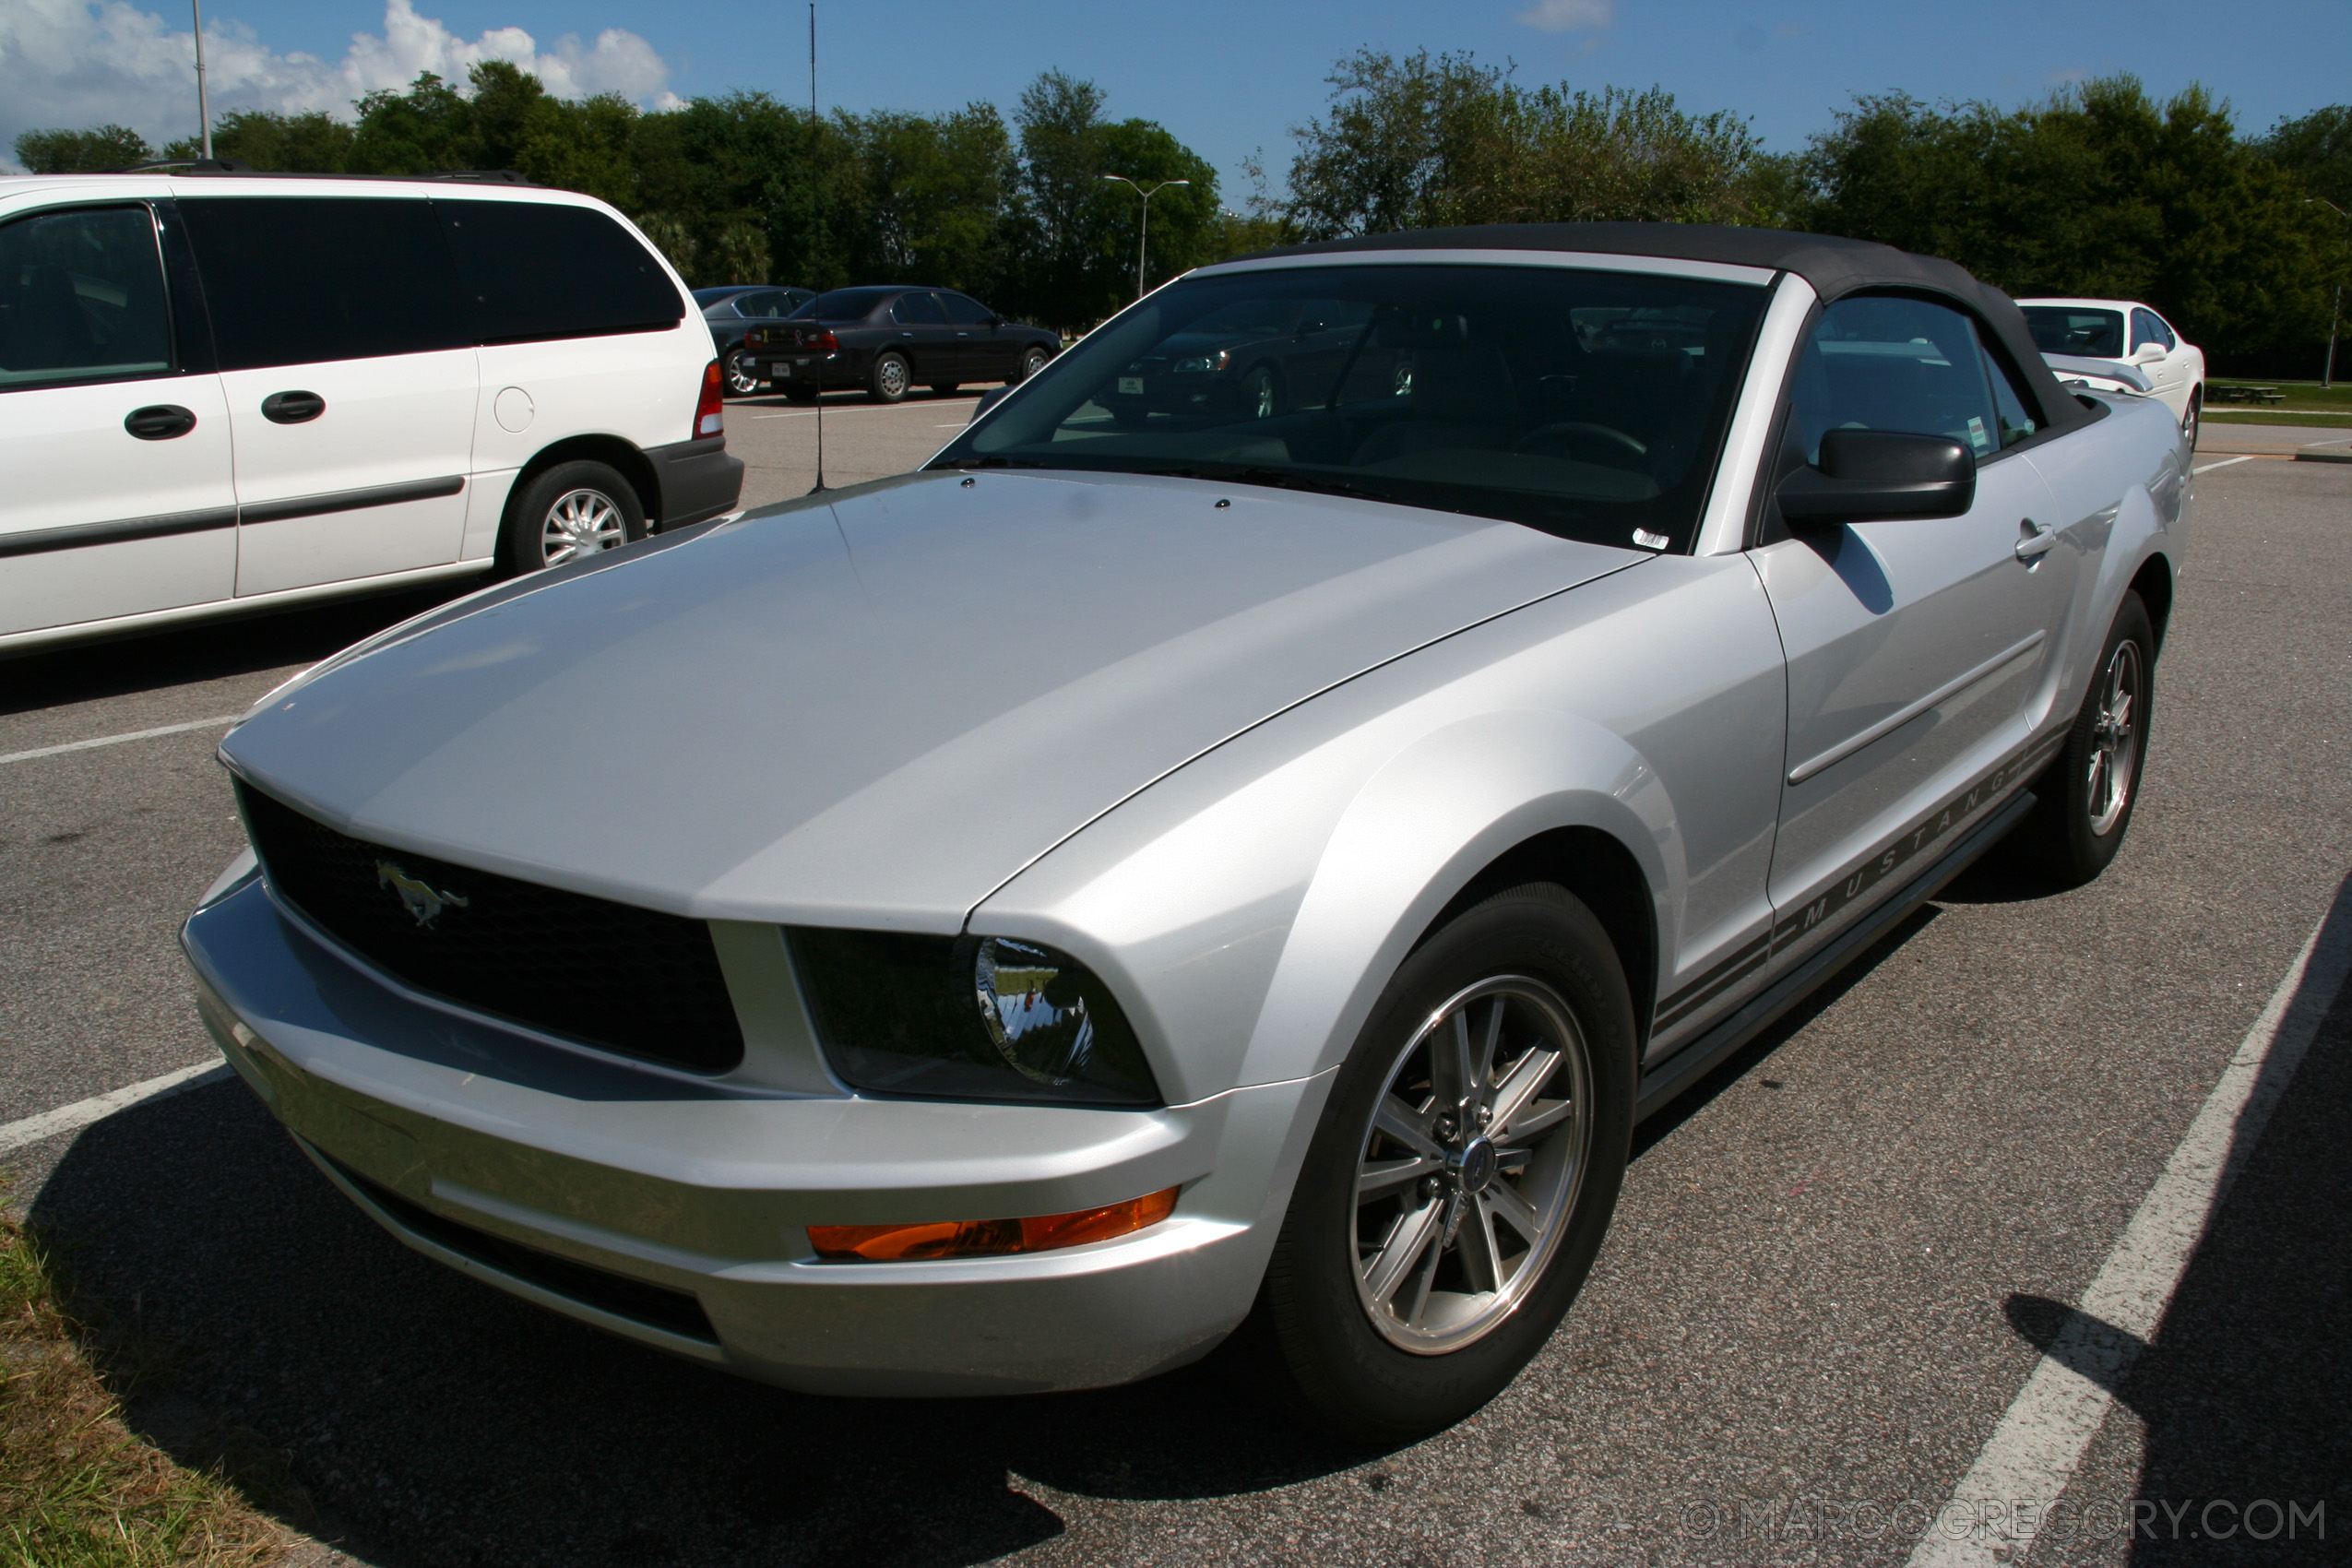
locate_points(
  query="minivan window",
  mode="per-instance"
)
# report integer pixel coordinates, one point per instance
(81, 297)
(301, 279)
(532, 270)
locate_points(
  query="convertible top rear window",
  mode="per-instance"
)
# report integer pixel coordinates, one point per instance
(1587, 403)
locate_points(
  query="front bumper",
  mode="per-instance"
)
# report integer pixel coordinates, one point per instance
(674, 1212)
(698, 481)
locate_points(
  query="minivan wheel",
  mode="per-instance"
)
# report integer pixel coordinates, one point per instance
(888, 383)
(1462, 1176)
(571, 511)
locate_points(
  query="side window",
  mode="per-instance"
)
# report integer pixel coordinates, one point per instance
(2009, 398)
(81, 298)
(917, 310)
(533, 271)
(2146, 329)
(1890, 362)
(300, 279)
(761, 306)
(962, 312)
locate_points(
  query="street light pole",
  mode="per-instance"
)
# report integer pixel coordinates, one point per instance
(1143, 234)
(2335, 312)
(204, 109)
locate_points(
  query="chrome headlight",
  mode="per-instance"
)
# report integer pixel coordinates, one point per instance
(1200, 363)
(968, 1018)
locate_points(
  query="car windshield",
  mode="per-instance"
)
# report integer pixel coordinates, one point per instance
(843, 304)
(2086, 330)
(1587, 403)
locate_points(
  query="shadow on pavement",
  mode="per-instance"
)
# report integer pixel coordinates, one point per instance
(2247, 1454)
(424, 1420)
(209, 650)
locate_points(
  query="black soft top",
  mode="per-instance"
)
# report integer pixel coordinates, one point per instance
(1834, 266)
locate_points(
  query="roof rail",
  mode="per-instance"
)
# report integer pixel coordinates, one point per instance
(485, 176)
(190, 166)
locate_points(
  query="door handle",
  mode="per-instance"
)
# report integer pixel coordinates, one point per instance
(160, 422)
(292, 408)
(2035, 538)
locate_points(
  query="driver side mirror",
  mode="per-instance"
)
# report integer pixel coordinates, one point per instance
(1871, 474)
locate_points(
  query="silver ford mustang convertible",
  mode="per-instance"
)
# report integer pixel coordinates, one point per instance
(1227, 846)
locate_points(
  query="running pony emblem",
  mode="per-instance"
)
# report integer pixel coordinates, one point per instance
(419, 899)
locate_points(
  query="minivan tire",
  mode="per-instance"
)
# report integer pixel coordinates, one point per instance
(570, 511)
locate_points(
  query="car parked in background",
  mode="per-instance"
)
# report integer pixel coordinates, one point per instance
(888, 339)
(2130, 332)
(734, 309)
(1124, 886)
(234, 391)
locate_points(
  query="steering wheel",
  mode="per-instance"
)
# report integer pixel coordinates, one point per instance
(1556, 440)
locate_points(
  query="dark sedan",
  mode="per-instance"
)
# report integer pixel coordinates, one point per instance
(888, 339)
(732, 309)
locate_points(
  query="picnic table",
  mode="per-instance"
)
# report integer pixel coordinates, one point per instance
(2247, 395)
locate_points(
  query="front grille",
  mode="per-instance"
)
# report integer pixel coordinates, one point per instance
(606, 974)
(616, 1293)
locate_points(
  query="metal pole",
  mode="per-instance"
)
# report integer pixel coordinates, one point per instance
(204, 109)
(1142, 244)
(813, 130)
(2327, 376)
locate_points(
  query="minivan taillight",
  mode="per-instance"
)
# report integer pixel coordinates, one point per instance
(710, 409)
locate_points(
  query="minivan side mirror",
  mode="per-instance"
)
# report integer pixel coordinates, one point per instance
(1869, 474)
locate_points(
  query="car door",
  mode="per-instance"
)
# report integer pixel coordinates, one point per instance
(1914, 646)
(351, 378)
(2167, 376)
(985, 350)
(919, 331)
(113, 428)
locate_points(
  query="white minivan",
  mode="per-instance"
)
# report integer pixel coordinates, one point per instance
(223, 391)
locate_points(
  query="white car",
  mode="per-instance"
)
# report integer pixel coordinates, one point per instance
(2129, 333)
(226, 391)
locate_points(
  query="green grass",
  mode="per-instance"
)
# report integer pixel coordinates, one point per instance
(2298, 394)
(2328, 421)
(77, 1488)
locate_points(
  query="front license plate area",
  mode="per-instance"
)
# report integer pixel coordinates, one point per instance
(1131, 386)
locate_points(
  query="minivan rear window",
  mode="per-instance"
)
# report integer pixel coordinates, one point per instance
(534, 271)
(301, 279)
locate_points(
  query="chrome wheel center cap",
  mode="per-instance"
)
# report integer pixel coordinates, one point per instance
(1475, 1165)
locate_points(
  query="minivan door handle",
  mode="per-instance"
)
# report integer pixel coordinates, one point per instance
(160, 422)
(292, 408)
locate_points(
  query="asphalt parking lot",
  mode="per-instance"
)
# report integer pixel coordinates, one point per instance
(1834, 1268)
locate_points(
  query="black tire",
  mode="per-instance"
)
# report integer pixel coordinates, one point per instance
(2079, 824)
(889, 379)
(585, 492)
(1033, 359)
(801, 393)
(944, 388)
(2189, 421)
(1314, 1329)
(740, 380)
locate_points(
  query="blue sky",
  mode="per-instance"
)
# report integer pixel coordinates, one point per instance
(1233, 75)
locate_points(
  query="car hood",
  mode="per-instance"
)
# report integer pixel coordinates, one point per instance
(872, 709)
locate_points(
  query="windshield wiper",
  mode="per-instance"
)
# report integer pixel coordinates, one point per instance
(1278, 478)
(990, 461)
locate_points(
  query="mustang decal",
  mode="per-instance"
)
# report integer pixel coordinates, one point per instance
(420, 897)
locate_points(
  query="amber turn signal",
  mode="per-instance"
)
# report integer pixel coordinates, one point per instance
(989, 1238)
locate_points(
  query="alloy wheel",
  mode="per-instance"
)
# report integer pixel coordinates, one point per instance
(2115, 740)
(1469, 1171)
(890, 377)
(581, 522)
(739, 381)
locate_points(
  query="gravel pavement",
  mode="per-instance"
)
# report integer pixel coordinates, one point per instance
(1831, 1272)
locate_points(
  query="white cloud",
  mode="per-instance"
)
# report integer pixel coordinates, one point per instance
(79, 62)
(1569, 16)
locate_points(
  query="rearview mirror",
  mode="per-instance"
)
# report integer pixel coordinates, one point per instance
(1871, 474)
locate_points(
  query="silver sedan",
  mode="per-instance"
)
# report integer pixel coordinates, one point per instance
(1186, 865)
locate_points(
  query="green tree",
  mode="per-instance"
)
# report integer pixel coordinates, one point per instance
(82, 152)
(2099, 190)
(1426, 140)
(312, 143)
(426, 130)
(2317, 150)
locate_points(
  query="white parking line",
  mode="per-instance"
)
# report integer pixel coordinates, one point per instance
(118, 739)
(82, 1112)
(2208, 467)
(1995, 1511)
